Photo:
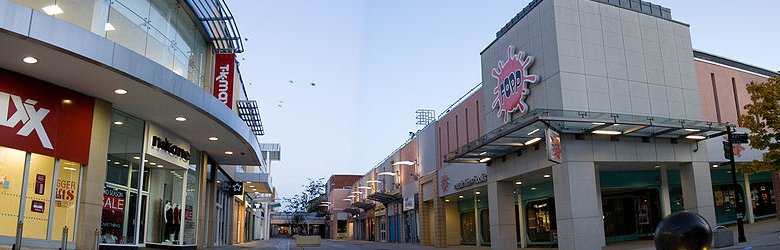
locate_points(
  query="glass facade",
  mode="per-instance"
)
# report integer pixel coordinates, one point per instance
(50, 198)
(161, 30)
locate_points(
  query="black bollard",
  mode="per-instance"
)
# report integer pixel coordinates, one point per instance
(683, 231)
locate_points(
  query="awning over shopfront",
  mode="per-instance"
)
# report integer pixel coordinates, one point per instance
(530, 129)
(363, 205)
(352, 210)
(385, 198)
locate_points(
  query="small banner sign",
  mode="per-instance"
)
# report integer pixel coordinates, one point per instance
(554, 148)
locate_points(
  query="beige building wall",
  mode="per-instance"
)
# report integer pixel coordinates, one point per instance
(452, 222)
(94, 175)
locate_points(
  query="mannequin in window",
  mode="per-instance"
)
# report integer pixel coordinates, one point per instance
(176, 221)
(168, 232)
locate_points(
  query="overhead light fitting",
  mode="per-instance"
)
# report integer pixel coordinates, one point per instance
(160, 166)
(351, 196)
(446, 200)
(715, 166)
(656, 166)
(346, 199)
(597, 123)
(248, 182)
(373, 181)
(152, 163)
(181, 118)
(30, 60)
(403, 163)
(460, 196)
(69, 168)
(109, 27)
(118, 123)
(483, 160)
(357, 192)
(364, 187)
(52, 9)
(534, 131)
(519, 183)
(692, 130)
(607, 132)
(477, 192)
(483, 153)
(533, 188)
(386, 173)
(546, 176)
(213, 138)
(696, 137)
(120, 91)
(66, 101)
(532, 141)
(228, 152)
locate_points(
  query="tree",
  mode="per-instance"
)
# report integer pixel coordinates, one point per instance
(763, 120)
(301, 204)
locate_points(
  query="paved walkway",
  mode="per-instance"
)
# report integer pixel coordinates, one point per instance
(764, 235)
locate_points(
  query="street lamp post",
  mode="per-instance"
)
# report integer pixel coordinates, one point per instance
(740, 200)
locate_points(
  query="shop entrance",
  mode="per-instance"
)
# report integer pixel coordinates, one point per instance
(630, 215)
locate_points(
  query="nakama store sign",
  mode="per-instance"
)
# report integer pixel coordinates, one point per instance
(224, 70)
(512, 83)
(38, 117)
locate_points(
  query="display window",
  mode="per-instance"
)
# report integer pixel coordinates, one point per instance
(11, 176)
(65, 199)
(37, 205)
(725, 203)
(762, 196)
(540, 223)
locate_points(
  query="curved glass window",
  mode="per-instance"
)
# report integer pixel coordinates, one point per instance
(161, 30)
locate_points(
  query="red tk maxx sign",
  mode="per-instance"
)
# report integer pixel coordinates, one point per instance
(224, 68)
(512, 85)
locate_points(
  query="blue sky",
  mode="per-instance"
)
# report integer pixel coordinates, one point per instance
(375, 62)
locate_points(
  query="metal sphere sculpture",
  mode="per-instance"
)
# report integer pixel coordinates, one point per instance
(683, 231)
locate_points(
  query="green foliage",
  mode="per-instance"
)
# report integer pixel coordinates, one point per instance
(763, 120)
(305, 202)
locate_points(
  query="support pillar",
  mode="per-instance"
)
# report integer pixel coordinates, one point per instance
(502, 215)
(477, 229)
(579, 220)
(93, 177)
(666, 201)
(697, 190)
(748, 199)
(521, 218)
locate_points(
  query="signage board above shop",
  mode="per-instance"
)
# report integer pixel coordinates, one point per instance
(512, 80)
(224, 71)
(39, 117)
(168, 147)
(459, 177)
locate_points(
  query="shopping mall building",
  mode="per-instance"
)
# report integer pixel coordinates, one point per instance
(125, 124)
(593, 120)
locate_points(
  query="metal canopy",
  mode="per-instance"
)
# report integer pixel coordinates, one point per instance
(363, 205)
(219, 25)
(384, 198)
(352, 210)
(248, 111)
(523, 132)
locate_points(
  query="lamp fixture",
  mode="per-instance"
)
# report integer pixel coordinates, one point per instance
(69, 168)
(460, 196)
(248, 182)
(533, 188)
(446, 200)
(109, 27)
(213, 138)
(363, 187)
(477, 192)
(67, 101)
(696, 137)
(181, 118)
(656, 166)
(714, 165)
(404, 163)
(597, 123)
(532, 141)
(386, 173)
(606, 132)
(373, 181)
(534, 131)
(30, 60)
(692, 130)
(546, 176)
(228, 152)
(346, 199)
(53, 9)
(519, 183)
(351, 196)
(483, 153)
(357, 192)
(118, 123)
(152, 163)
(120, 91)
(159, 165)
(483, 160)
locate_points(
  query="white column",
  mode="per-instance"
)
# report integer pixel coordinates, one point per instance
(502, 215)
(748, 199)
(580, 225)
(521, 217)
(666, 202)
(267, 226)
(697, 190)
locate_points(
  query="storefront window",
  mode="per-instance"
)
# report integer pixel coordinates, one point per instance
(191, 202)
(37, 202)
(66, 199)
(725, 203)
(120, 194)
(620, 216)
(468, 234)
(11, 176)
(541, 225)
(484, 224)
(165, 205)
(763, 197)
